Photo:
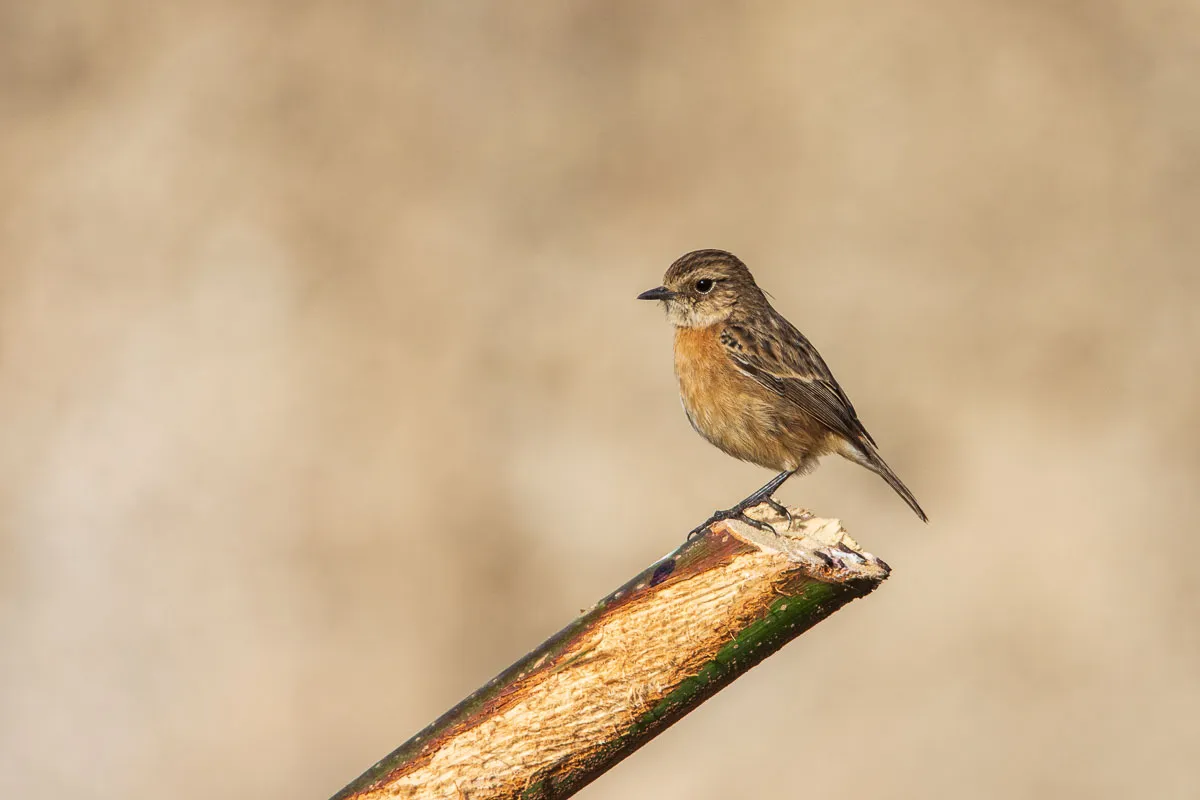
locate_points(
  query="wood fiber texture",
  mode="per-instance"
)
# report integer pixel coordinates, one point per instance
(631, 666)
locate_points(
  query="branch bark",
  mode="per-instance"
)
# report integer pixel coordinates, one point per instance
(637, 662)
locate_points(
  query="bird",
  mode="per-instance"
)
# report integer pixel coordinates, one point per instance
(753, 385)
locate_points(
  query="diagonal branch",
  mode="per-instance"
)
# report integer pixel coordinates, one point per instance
(637, 662)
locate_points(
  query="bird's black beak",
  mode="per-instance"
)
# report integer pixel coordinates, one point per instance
(659, 293)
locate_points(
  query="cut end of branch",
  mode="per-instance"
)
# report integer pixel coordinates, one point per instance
(822, 546)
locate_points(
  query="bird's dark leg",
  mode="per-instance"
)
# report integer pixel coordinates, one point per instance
(766, 495)
(763, 495)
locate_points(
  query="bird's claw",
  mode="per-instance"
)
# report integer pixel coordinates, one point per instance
(757, 523)
(781, 510)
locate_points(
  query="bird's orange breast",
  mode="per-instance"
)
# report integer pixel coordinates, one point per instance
(728, 407)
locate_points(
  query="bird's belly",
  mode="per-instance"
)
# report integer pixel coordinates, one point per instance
(734, 412)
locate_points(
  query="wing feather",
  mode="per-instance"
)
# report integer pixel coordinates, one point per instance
(785, 362)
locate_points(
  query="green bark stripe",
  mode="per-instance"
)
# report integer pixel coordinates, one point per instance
(809, 602)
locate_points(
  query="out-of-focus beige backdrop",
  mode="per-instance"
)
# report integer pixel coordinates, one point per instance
(325, 394)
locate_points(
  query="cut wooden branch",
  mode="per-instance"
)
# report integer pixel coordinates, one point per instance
(637, 662)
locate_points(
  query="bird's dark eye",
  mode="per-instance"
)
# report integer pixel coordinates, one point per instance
(704, 285)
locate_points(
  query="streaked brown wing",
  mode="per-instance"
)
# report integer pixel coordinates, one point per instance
(786, 363)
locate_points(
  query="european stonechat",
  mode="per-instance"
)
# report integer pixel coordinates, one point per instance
(752, 384)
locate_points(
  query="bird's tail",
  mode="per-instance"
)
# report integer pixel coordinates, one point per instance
(863, 452)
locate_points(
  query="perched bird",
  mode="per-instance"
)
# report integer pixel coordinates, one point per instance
(752, 384)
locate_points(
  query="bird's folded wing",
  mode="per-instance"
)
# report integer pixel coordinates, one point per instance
(791, 367)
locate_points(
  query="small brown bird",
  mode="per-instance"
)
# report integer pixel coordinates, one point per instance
(752, 384)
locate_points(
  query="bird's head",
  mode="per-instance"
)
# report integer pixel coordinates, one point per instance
(703, 288)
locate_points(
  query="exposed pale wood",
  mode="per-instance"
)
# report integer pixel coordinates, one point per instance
(638, 661)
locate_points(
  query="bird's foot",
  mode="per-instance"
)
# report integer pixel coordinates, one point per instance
(763, 495)
(737, 512)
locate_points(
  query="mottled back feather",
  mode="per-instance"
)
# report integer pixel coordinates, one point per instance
(785, 362)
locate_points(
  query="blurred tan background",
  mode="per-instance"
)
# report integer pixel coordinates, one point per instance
(325, 394)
